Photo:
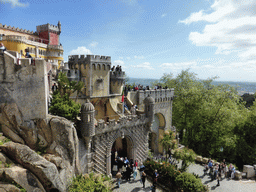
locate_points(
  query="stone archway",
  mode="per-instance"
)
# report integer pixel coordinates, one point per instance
(158, 127)
(130, 149)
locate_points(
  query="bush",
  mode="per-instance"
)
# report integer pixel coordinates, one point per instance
(188, 182)
(91, 183)
(64, 106)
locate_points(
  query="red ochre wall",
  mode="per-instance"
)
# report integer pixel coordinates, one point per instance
(44, 35)
(54, 39)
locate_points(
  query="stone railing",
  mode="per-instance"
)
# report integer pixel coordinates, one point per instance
(117, 75)
(127, 121)
(30, 41)
(60, 47)
(159, 95)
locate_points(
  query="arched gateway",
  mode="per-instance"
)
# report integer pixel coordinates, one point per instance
(129, 136)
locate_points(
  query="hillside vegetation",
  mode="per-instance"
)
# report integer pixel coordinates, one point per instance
(211, 119)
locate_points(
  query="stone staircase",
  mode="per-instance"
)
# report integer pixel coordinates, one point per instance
(100, 159)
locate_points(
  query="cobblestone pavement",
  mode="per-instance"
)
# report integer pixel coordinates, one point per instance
(226, 185)
(134, 186)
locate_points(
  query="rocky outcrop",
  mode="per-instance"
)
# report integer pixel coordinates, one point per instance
(45, 171)
(54, 138)
(23, 177)
(6, 187)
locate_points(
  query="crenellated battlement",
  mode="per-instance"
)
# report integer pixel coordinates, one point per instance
(47, 27)
(159, 95)
(117, 75)
(127, 121)
(89, 58)
(17, 29)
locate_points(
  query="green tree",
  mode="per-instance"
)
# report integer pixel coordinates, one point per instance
(204, 114)
(168, 141)
(61, 104)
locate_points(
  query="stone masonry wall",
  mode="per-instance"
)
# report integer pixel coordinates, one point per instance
(27, 86)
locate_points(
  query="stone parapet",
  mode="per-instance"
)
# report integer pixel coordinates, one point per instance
(159, 95)
(129, 121)
(249, 170)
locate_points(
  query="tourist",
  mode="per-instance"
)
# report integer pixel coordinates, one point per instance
(2, 47)
(126, 161)
(142, 168)
(143, 178)
(136, 163)
(117, 68)
(118, 178)
(27, 55)
(128, 172)
(54, 87)
(233, 170)
(135, 173)
(133, 110)
(155, 177)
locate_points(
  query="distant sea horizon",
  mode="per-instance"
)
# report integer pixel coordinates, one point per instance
(242, 87)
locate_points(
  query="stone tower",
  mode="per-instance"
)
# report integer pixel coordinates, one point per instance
(50, 33)
(149, 110)
(116, 82)
(87, 123)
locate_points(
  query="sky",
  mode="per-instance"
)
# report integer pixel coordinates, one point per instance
(151, 37)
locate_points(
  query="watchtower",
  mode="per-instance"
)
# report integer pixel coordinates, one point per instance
(49, 32)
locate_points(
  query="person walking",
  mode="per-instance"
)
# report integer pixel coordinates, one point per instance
(155, 177)
(143, 178)
(135, 173)
(118, 178)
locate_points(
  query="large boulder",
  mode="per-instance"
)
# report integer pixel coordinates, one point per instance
(22, 177)
(6, 187)
(44, 170)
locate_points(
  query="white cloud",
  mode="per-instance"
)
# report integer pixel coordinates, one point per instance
(15, 3)
(80, 51)
(181, 65)
(94, 44)
(139, 57)
(231, 28)
(145, 65)
(164, 15)
(118, 62)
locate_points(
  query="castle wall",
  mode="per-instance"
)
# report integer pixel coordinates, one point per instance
(100, 81)
(44, 35)
(27, 86)
(10, 32)
(54, 39)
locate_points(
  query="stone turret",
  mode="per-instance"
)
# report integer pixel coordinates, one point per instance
(87, 125)
(116, 81)
(149, 104)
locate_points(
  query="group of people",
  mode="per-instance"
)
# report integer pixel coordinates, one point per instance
(124, 168)
(216, 171)
(117, 68)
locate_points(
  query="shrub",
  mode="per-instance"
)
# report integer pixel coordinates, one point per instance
(188, 182)
(64, 106)
(91, 183)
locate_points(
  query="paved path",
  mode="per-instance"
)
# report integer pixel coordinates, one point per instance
(226, 185)
(134, 186)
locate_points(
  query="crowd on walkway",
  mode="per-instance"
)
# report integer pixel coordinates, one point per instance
(218, 171)
(125, 169)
